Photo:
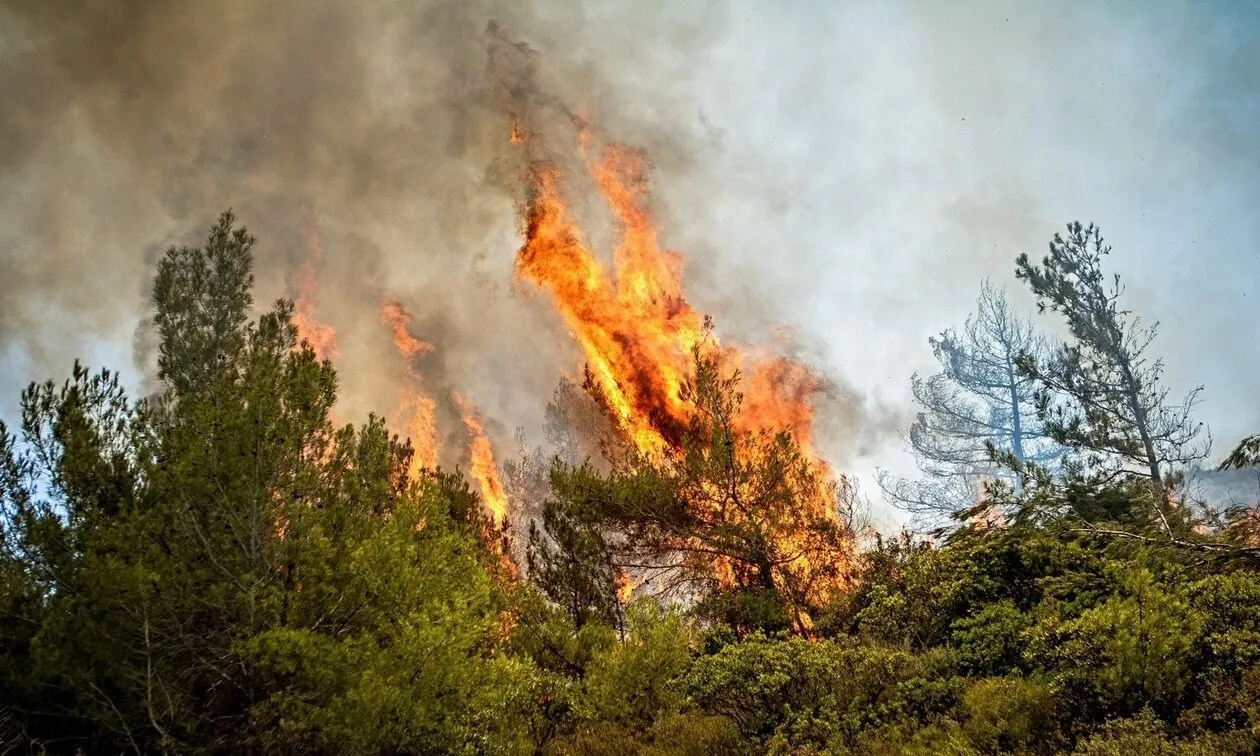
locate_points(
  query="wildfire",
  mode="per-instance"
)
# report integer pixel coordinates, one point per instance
(484, 470)
(414, 403)
(321, 336)
(778, 394)
(626, 586)
(636, 328)
(638, 333)
(987, 516)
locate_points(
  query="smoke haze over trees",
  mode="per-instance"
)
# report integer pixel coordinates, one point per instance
(222, 569)
(1118, 414)
(978, 405)
(368, 126)
(532, 412)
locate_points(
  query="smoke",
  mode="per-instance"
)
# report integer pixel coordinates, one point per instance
(852, 170)
(129, 125)
(364, 144)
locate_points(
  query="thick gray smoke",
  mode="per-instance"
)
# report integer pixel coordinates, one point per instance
(853, 170)
(365, 141)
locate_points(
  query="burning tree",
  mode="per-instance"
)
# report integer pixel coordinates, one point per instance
(303, 284)
(223, 550)
(568, 554)
(716, 493)
(739, 520)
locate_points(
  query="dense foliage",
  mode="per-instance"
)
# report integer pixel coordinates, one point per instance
(221, 569)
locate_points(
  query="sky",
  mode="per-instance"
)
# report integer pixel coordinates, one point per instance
(849, 171)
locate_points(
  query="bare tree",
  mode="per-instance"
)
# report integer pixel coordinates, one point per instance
(977, 405)
(1101, 394)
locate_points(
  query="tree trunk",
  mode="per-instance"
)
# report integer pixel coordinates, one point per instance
(1133, 395)
(1017, 431)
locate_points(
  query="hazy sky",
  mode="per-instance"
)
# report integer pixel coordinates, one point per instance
(852, 170)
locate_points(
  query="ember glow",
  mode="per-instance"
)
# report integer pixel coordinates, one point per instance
(516, 135)
(413, 402)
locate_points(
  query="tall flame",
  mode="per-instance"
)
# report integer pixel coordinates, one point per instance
(321, 336)
(484, 470)
(413, 402)
(638, 333)
(636, 328)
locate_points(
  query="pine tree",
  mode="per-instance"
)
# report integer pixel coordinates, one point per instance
(978, 404)
(1102, 393)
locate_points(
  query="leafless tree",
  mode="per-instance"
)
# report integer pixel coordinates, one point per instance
(977, 404)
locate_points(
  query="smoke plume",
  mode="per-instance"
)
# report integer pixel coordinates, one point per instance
(850, 170)
(364, 144)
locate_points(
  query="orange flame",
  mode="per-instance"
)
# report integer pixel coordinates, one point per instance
(626, 586)
(517, 135)
(638, 332)
(484, 470)
(987, 516)
(321, 336)
(636, 328)
(414, 402)
(422, 431)
(778, 393)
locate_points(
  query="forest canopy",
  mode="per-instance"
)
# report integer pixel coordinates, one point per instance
(222, 567)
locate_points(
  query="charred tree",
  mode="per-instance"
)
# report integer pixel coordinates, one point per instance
(977, 404)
